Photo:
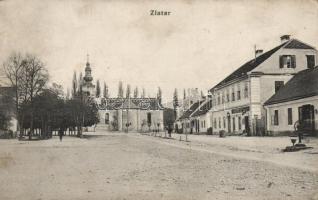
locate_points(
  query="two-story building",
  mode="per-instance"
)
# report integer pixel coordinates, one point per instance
(238, 100)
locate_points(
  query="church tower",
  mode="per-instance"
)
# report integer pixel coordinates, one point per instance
(88, 86)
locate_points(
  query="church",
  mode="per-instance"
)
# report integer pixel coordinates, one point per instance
(124, 114)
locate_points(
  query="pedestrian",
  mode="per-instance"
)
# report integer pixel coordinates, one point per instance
(61, 133)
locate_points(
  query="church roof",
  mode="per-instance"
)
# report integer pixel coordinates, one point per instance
(130, 103)
(304, 84)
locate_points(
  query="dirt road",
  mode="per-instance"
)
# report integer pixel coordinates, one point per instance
(120, 166)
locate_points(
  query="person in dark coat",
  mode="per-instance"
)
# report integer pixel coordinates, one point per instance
(61, 133)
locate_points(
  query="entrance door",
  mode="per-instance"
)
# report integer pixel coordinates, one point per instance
(307, 118)
(229, 124)
(247, 125)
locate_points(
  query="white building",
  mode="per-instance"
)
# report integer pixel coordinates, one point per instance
(238, 100)
(295, 103)
(132, 114)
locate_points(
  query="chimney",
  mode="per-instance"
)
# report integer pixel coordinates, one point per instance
(258, 52)
(284, 38)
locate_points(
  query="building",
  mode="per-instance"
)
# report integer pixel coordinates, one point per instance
(200, 118)
(295, 103)
(132, 114)
(124, 114)
(238, 100)
(185, 123)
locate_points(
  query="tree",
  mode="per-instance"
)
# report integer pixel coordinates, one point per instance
(175, 101)
(80, 84)
(36, 79)
(136, 92)
(120, 90)
(143, 94)
(159, 95)
(106, 93)
(184, 94)
(98, 94)
(14, 68)
(128, 91)
(74, 85)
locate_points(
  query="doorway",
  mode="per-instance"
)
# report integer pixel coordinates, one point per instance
(229, 124)
(306, 114)
(247, 125)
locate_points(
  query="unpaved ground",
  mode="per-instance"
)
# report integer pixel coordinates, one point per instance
(121, 166)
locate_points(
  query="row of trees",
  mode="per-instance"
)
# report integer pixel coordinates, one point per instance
(43, 107)
(106, 94)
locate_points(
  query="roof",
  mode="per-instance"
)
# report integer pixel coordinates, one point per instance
(296, 44)
(203, 109)
(252, 64)
(303, 84)
(130, 103)
(192, 109)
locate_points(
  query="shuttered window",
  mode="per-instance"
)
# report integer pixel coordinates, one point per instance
(276, 118)
(290, 116)
(287, 61)
(310, 61)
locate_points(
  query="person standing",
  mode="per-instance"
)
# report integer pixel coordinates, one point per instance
(61, 133)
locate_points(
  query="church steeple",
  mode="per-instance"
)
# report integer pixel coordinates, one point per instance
(88, 76)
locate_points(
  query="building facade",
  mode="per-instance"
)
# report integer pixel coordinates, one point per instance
(295, 106)
(238, 100)
(130, 114)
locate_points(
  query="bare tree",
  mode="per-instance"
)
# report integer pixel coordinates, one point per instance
(14, 68)
(36, 78)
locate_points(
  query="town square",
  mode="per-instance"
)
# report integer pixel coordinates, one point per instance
(167, 100)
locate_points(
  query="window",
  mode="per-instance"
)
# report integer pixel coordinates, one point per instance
(233, 95)
(215, 123)
(290, 116)
(287, 61)
(276, 118)
(310, 61)
(223, 97)
(278, 85)
(227, 96)
(204, 124)
(219, 99)
(238, 92)
(219, 122)
(239, 123)
(238, 95)
(224, 122)
(246, 90)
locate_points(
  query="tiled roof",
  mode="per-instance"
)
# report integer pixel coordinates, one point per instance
(192, 109)
(303, 84)
(203, 109)
(252, 64)
(296, 44)
(130, 103)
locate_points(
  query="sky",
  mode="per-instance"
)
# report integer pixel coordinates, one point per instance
(196, 46)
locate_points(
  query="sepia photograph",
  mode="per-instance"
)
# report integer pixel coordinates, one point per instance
(158, 100)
